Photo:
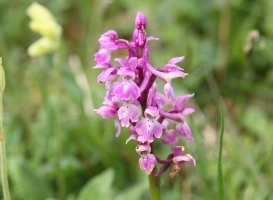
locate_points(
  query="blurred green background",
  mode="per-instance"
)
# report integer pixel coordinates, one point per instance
(228, 47)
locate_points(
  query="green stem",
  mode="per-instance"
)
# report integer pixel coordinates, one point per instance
(4, 171)
(58, 131)
(154, 182)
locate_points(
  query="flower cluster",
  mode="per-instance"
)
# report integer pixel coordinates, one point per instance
(43, 22)
(131, 91)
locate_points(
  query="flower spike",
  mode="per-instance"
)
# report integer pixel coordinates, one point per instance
(133, 101)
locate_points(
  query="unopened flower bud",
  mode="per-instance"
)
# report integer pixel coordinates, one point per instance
(143, 148)
(140, 21)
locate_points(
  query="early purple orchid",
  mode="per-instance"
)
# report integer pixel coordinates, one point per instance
(148, 126)
(147, 160)
(177, 158)
(131, 91)
(127, 88)
(108, 40)
(128, 112)
(169, 136)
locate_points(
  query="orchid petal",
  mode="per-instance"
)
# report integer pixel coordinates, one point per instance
(127, 89)
(106, 112)
(147, 163)
(102, 56)
(169, 137)
(184, 158)
(177, 150)
(128, 112)
(132, 137)
(117, 125)
(184, 130)
(176, 60)
(188, 110)
(152, 38)
(168, 89)
(181, 100)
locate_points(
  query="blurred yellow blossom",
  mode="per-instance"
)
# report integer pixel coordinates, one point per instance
(43, 22)
(38, 12)
(43, 46)
(48, 29)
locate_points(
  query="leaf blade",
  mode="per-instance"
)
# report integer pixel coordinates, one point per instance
(220, 172)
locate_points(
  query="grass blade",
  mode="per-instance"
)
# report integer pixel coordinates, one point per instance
(220, 173)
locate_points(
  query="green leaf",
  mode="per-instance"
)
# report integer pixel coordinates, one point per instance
(135, 192)
(26, 180)
(220, 173)
(99, 187)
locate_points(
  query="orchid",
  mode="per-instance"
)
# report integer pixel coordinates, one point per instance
(177, 158)
(131, 91)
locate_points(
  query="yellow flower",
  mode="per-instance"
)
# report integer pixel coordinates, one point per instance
(47, 29)
(43, 46)
(39, 13)
(43, 22)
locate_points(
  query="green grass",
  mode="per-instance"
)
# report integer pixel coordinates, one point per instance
(220, 172)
